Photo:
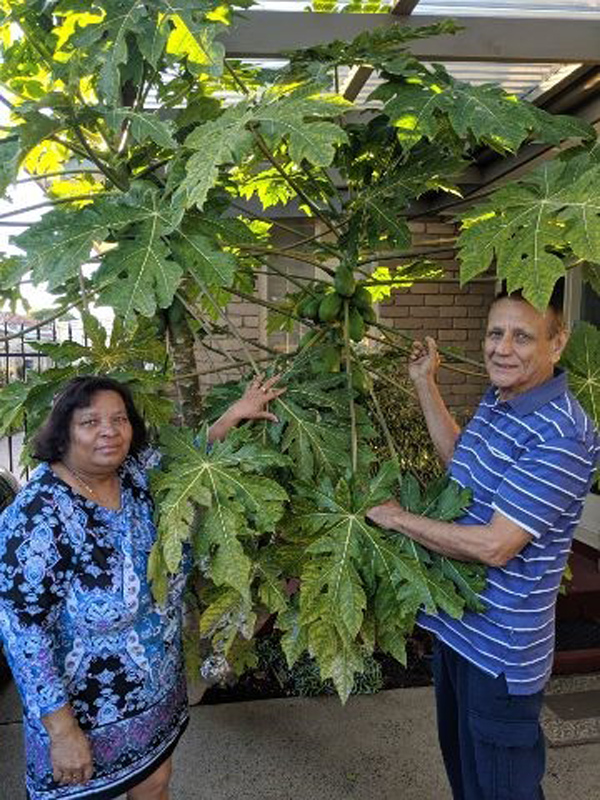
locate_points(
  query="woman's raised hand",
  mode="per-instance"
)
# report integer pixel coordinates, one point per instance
(259, 393)
(253, 404)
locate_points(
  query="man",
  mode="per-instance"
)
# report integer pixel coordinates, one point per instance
(528, 455)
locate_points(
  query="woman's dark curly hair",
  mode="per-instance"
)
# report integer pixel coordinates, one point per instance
(51, 441)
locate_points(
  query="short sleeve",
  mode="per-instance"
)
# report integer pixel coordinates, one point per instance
(549, 481)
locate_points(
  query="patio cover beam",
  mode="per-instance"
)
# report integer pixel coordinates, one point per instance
(268, 34)
(404, 7)
(358, 76)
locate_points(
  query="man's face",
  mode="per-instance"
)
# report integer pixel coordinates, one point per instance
(519, 351)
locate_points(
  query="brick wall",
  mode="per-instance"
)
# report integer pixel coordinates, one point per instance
(455, 317)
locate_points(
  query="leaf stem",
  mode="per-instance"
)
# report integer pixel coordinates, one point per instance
(50, 203)
(348, 359)
(275, 223)
(57, 174)
(95, 158)
(293, 279)
(443, 350)
(262, 146)
(237, 365)
(382, 376)
(223, 314)
(288, 254)
(271, 306)
(382, 422)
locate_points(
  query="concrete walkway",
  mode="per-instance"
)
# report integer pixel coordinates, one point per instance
(381, 747)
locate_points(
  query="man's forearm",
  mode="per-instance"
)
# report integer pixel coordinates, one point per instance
(442, 426)
(493, 544)
(465, 542)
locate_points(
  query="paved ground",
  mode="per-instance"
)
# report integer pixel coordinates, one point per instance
(381, 747)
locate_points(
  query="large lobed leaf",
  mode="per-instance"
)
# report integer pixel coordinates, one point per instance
(527, 228)
(354, 572)
(421, 102)
(581, 359)
(239, 503)
(140, 275)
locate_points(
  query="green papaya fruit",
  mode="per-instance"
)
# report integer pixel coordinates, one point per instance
(331, 359)
(312, 308)
(361, 380)
(369, 315)
(356, 325)
(362, 298)
(306, 340)
(330, 307)
(344, 281)
(303, 305)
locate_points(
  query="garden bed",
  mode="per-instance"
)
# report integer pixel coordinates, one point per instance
(272, 678)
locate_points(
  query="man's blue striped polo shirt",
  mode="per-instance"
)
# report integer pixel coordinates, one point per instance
(532, 459)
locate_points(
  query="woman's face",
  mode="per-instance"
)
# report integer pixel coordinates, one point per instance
(100, 434)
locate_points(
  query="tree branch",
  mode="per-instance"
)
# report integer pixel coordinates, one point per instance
(51, 203)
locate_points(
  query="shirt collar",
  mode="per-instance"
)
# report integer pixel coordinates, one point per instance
(535, 398)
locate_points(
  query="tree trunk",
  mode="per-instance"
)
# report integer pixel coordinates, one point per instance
(186, 385)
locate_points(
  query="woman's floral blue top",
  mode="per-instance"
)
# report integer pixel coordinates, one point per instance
(80, 626)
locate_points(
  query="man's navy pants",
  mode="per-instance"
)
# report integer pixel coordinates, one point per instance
(491, 741)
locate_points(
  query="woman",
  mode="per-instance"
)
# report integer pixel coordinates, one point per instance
(97, 661)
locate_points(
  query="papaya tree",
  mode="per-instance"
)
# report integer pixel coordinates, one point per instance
(148, 141)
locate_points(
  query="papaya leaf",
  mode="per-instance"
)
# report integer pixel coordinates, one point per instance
(10, 156)
(57, 245)
(468, 578)
(222, 524)
(312, 445)
(217, 142)
(139, 275)
(271, 587)
(238, 502)
(143, 126)
(338, 659)
(12, 269)
(410, 494)
(489, 114)
(427, 585)
(294, 641)
(293, 117)
(378, 48)
(209, 264)
(390, 224)
(227, 616)
(122, 18)
(268, 185)
(524, 226)
(581, 359)
(197, 44)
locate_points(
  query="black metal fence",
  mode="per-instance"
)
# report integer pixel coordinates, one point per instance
(18, 359)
